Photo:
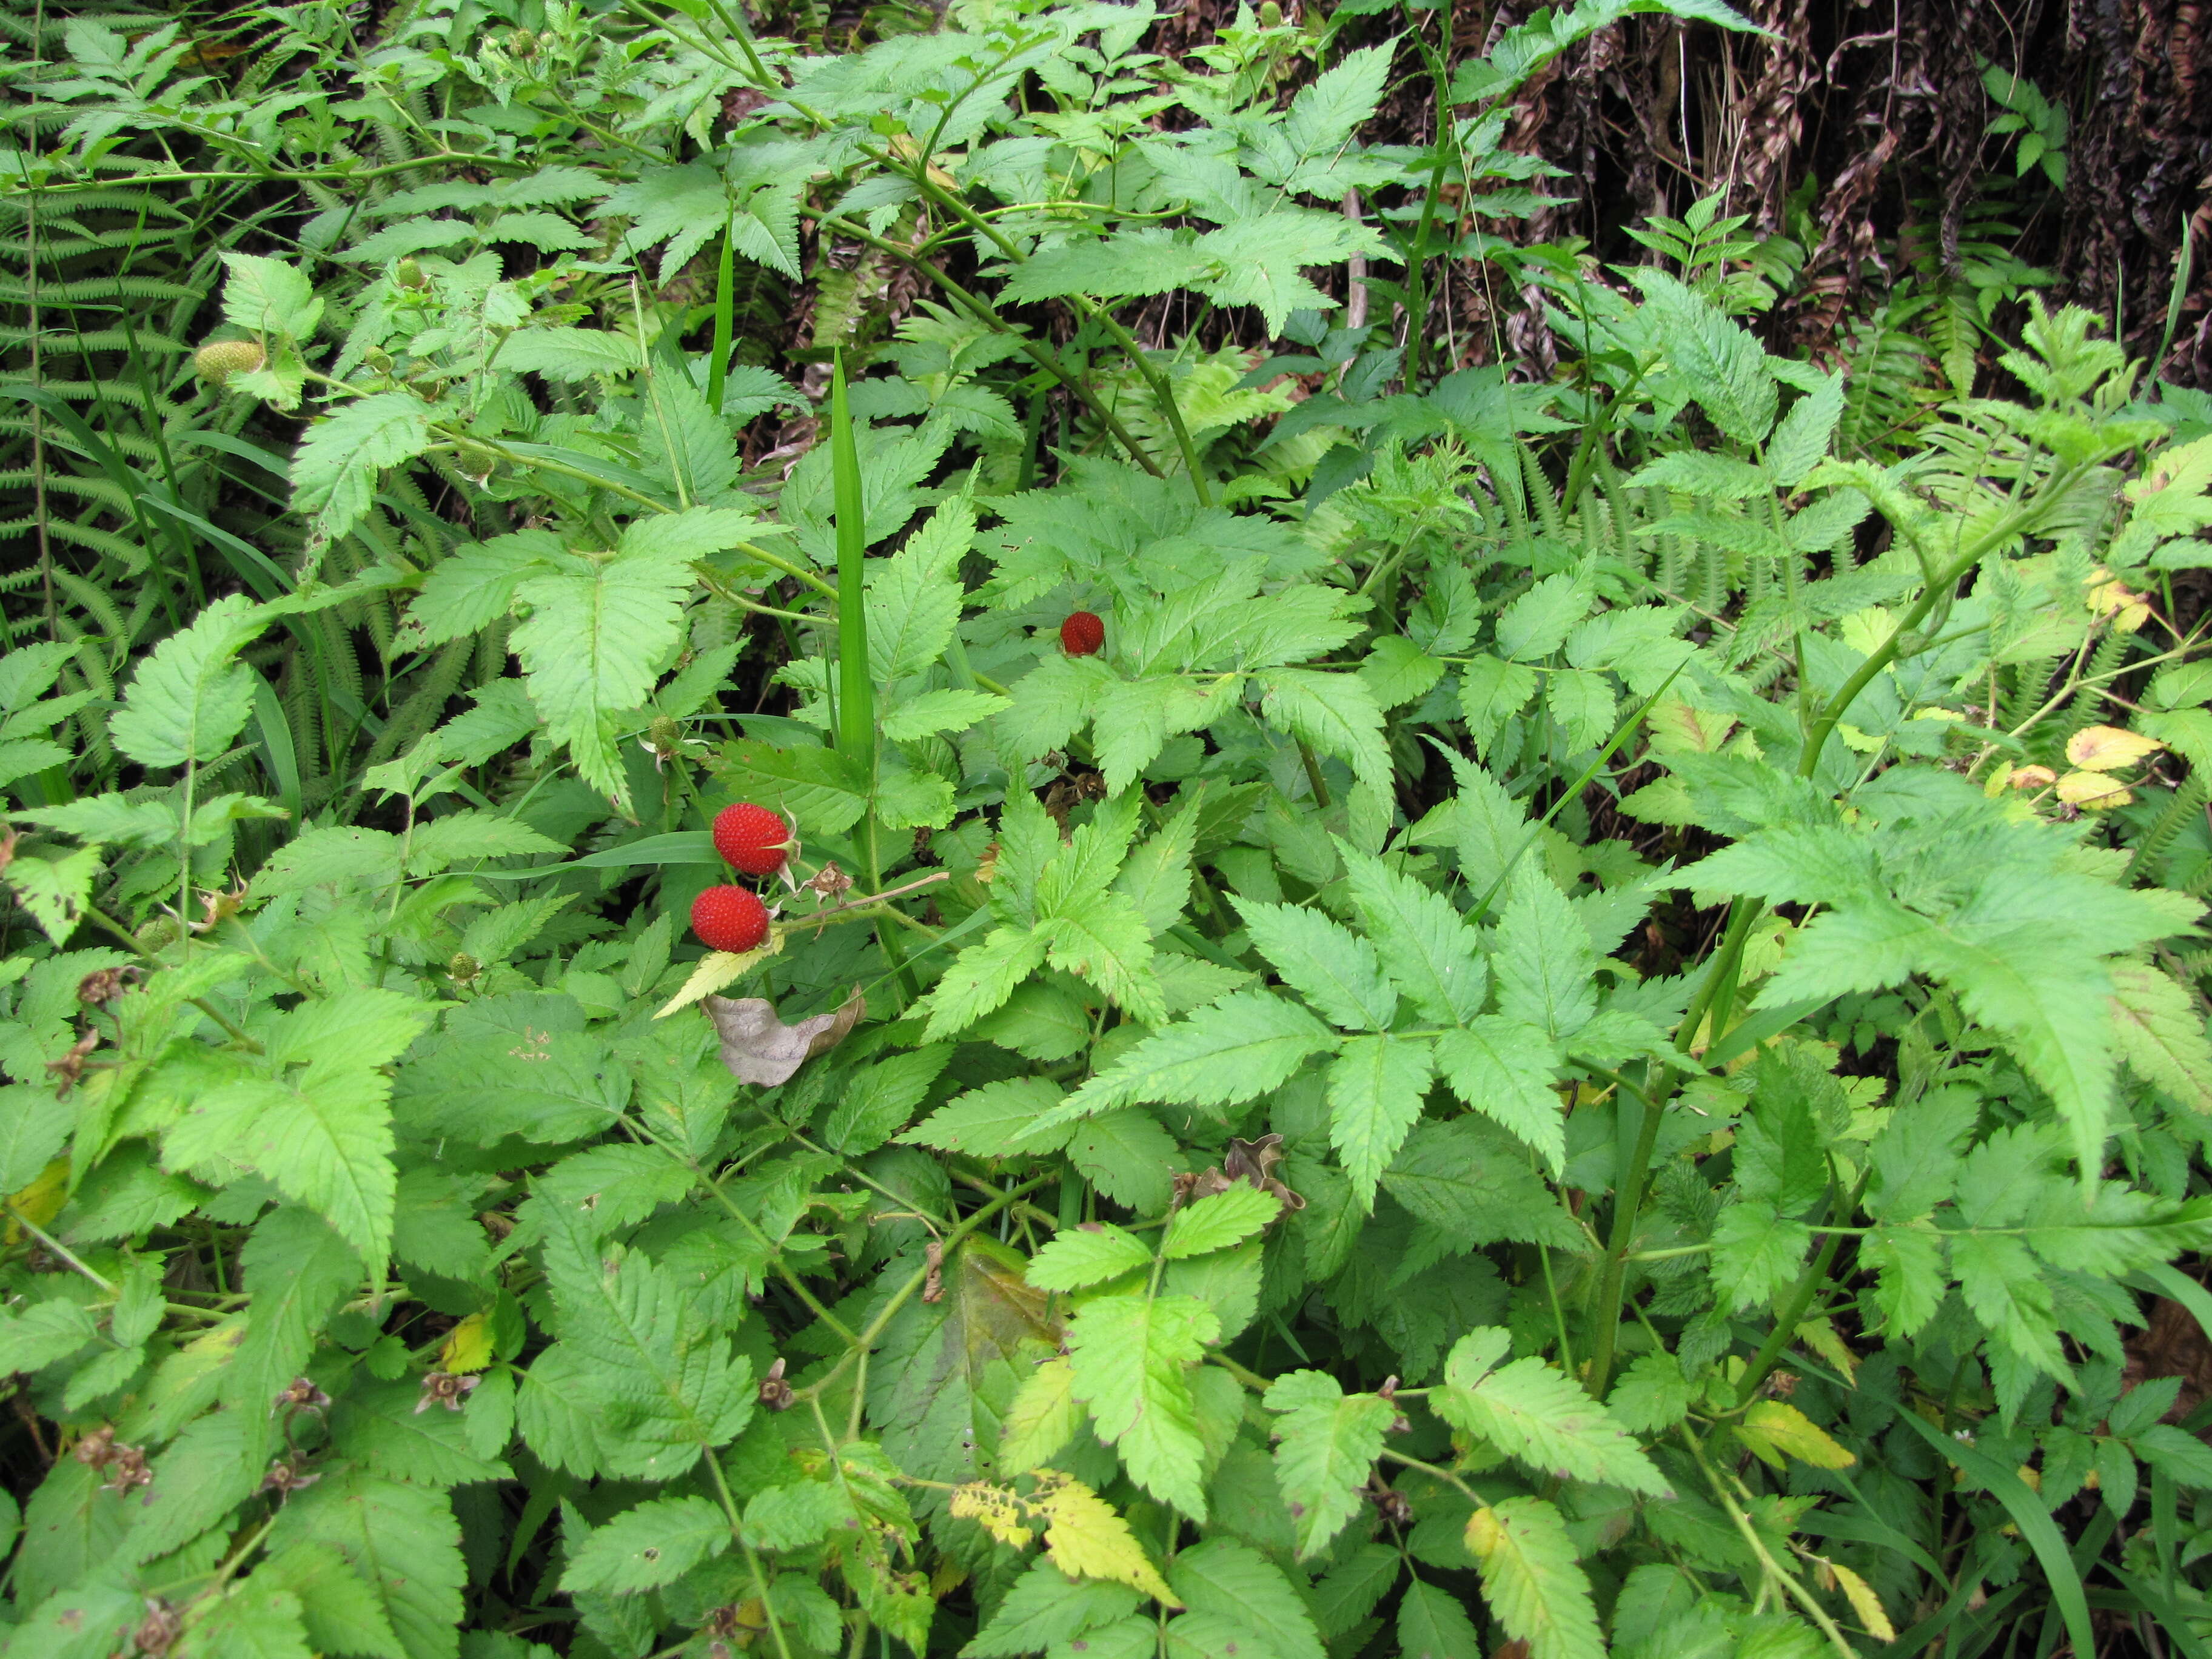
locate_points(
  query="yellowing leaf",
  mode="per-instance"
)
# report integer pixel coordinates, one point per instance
(2032, 777)
(2128, 611)
(1676, 728)
(42, 1200)
(1864, 1602)
(1531, 1578)
(1821, 1336)
(468, 1345)
(1084, 1535)
(1042, 1419)
(717, 968)
(1772, 1428)
(2104, 748)
(1086, 1539)
(997, 1509)
(2093, 791)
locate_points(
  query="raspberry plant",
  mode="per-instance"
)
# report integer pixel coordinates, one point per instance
(1585, 1031)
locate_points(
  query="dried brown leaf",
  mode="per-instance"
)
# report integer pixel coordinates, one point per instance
(760, 1049)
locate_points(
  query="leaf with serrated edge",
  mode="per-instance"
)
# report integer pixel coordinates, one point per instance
(1215, 1222)
(1132, 1357)
(1328, 1443)
(1090, 1253)
(1531, 1578)
(1534, 1411)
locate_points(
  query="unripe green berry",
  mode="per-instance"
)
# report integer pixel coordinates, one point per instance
(219, 360)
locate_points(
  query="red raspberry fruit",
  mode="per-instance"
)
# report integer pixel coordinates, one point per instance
(1082, 634)
(752, 838)
(729, 919)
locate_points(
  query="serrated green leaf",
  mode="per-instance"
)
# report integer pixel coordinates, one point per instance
(1530, 1579)
(190, 696)
(1327, 1442)
(1045, 1607)
(1543, 962)
(1431, 1625)
(2161, 1033)
(1334, 713)
(1375, 1089)
(334, 472)
(1220, 1220)
(981, 977)
(1090, 1253)
(324, 1135)
(1107, 943)
(1535, 1413)
(1756, 1254)
(402, 1540)
(1503, 1069)
(1241, 1047)
(1424, 945)
(1491, 691)
(652, 1544)
(1233, 1585)
(1133, 1356)
(1334, 968)
(597, 637)
(267, 297)
(993, 1121)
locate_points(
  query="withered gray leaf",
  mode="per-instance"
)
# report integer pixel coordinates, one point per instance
(760, 1049)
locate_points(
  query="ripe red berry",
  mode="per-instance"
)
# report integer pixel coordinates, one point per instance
(752, 838)
(1082, 634)
(729, 919)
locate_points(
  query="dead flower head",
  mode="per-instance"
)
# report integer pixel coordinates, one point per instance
(159, 1628)
(283, 1478)
(126, 1467)
(829, 881)
(444, 1388)
(774, 1393)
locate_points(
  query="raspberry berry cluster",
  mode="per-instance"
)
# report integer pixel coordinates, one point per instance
(757, 842)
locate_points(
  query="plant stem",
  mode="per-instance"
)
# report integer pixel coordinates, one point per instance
(1801, 1298)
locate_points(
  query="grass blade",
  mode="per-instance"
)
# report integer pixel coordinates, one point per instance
(856, 691)
(718, 366)
(2033, 1521)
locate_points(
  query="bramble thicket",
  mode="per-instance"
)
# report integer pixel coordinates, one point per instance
(1016, 830)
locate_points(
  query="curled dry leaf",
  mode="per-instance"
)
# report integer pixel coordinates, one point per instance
(761, 1049)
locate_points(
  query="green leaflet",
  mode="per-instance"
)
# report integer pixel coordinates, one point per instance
(648, 1546)
(1241, 1046)
(593, 647)
(1530, 1580)
(1132, 1357)
(1327, 1442)
(191, 696)
(334, 474)
(1535, 1413)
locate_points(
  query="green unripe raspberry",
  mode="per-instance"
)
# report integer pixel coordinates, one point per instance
(219, 360)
